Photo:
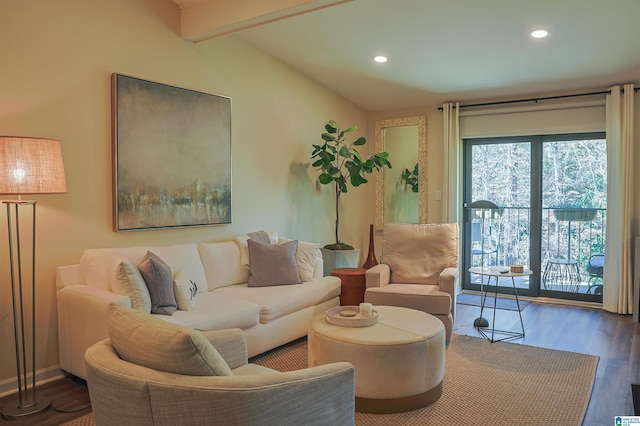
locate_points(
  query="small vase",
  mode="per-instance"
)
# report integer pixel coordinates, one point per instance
(371, 257)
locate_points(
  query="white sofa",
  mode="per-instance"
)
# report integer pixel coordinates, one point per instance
(268, 316)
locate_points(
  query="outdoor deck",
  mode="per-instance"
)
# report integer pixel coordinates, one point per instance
(569, 237)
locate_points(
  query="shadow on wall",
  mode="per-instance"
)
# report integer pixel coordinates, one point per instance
(306, 207)
(401, 205)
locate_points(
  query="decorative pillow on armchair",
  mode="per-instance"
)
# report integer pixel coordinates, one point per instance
(419, 252)
(141, 339)
(272, 264)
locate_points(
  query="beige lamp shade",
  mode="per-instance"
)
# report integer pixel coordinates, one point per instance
(31, 166)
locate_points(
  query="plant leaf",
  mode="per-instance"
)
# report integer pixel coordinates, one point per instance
(357, 180)
(335, 173)
(331, 127)
(357, 156)
(328, 137)
(344, 151)
(325, 178)
(360, 141)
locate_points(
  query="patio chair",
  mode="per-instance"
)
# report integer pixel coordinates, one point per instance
(562, 273)
(595, 269)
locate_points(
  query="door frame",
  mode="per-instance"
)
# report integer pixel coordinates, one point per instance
(535, 212)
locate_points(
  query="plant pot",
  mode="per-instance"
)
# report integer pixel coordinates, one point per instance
(339, 259)
(575, 214)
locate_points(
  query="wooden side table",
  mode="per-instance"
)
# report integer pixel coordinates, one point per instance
(353, 285)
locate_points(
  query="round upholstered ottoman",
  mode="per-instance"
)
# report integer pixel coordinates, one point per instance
(399, 361)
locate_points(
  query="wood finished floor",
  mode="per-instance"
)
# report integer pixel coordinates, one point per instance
(614, 338)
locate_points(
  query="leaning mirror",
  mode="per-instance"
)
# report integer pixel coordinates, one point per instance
(401, 192)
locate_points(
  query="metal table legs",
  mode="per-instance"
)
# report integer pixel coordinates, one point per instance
(507, 335)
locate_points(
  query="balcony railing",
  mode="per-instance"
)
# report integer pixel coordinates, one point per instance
(569, 237)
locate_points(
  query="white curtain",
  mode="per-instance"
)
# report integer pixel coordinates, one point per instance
(618, 285)
(451, 181)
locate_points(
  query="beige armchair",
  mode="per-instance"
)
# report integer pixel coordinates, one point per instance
(418, 270)
(177, 376)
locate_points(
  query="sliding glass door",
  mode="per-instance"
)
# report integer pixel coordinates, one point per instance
(550, 194)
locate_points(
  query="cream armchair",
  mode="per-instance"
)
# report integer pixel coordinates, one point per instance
(178, 376)
(418, 270)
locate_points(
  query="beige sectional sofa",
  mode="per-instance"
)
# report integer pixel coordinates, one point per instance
(269, 316)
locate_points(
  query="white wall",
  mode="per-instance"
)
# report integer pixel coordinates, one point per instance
(55, 67)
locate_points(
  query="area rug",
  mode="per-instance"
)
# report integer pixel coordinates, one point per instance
(485, 383)
(506, 304)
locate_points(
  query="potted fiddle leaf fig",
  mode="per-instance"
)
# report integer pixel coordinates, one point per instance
(340, 164)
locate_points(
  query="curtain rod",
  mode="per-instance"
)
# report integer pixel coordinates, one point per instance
(605, 92)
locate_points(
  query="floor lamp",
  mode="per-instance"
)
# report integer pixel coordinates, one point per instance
(28, 166)
(482, 205)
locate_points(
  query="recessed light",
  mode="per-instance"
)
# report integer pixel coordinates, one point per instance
(380, 59)
(539, 33)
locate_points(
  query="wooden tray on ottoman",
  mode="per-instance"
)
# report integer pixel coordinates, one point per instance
(349, 316)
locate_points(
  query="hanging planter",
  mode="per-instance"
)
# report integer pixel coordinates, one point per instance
(575, 214)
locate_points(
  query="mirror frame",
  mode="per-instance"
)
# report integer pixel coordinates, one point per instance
(380, 125)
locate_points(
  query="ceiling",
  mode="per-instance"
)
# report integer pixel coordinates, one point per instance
(440, 50)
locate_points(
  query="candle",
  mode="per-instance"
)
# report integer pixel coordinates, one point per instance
(366, 309)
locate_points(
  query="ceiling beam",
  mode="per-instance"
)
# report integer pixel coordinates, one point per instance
(203, 20)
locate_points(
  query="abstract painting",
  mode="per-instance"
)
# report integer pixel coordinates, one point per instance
(171, 156)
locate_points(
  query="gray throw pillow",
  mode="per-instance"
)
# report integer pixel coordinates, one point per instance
(145, 340)
(273, 264)
(159, 279)
(261, 236)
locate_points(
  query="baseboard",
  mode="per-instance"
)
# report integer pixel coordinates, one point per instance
(543, 300)
(10, 386)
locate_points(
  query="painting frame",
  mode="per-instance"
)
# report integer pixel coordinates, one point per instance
(171, 150)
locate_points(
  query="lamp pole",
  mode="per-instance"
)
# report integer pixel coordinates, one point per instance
(27, 166)
(28, 403)
(482, 205)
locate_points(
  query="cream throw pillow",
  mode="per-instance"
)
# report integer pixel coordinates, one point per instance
(241, 241)
(307, 255)
(127, 281)
(144, 340)
(185, 290)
